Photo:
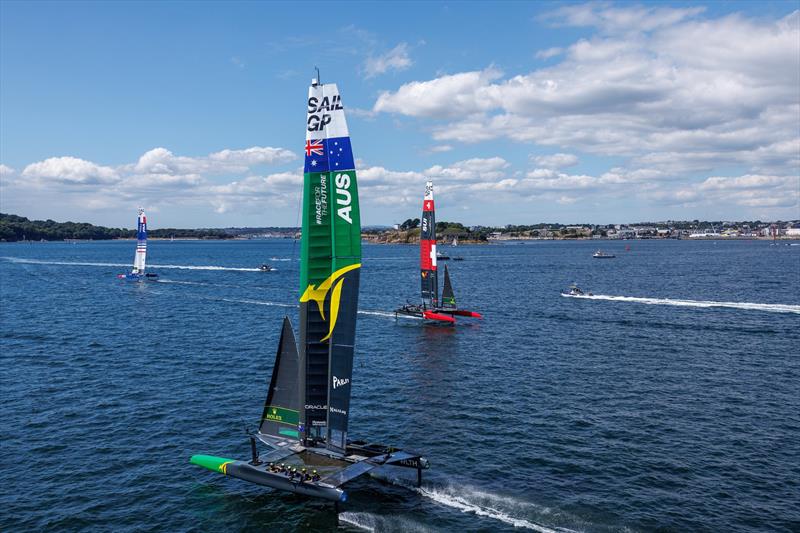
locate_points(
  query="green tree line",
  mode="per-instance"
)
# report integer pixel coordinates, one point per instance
(16, 228)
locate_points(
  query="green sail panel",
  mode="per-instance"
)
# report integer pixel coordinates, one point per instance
(330, 264)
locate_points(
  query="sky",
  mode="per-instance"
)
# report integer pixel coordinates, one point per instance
(519, 112)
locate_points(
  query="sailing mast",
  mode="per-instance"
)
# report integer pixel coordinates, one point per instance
(427, 249)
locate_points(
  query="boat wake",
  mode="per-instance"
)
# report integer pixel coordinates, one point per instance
(179, 267)
(176, 282)
(376, 313)
(502, 508)
(251, 302)
(773, 308)
(373, 522)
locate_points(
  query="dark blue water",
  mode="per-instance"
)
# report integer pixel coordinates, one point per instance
(553, 413)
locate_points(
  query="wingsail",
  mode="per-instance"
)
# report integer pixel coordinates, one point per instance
(429, 275)
(330, 267)
(140, 257)
(141, 243)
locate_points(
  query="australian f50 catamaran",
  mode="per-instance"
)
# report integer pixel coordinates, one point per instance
(306, 413)
(138, 274)
(433, 309)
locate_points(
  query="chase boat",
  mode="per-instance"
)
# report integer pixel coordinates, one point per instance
(600, 254)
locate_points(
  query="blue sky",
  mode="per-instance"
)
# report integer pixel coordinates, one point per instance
(519, 112)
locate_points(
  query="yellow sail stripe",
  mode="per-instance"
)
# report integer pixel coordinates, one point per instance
(318, 294)
(336, 296)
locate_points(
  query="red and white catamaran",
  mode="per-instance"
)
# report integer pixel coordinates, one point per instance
(432, 308)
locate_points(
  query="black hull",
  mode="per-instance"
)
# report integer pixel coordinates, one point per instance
(261, 476)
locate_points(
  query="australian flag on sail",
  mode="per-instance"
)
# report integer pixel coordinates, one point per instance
(323, 155)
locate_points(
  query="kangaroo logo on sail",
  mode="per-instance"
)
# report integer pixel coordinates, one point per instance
(343, 197)
(332, 284)
(319, 111)
(340, 382)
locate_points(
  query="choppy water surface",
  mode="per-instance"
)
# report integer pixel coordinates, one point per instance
(669, 400)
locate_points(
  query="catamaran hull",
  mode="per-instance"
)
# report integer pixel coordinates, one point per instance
(137, 277)
(461, 312)
(261, 476)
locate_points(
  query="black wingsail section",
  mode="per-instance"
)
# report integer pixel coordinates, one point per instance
(341, 361)
(448, 297)
(281, 415)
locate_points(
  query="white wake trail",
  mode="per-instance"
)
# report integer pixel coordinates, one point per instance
(179, 267)
(773, 308)
(376, 313)
(252, 302)
(488, 505)
(373, 522)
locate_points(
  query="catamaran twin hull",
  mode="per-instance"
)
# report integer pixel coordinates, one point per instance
(432, 309)
(306, 412)
(276, 468)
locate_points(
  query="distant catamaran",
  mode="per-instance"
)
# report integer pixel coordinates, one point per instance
(138, 273)
(432, 308)
(306, 413)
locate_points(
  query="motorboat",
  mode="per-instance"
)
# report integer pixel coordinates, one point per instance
(600, 254)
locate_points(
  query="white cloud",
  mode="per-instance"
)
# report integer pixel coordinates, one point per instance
(159, 175)
(556, 160)
(395, 59)
(163, 161)
(440, 148)
(669, 95)
(549, 52)
(256, 155)
(6, 171)
(448, 96)
(70, 170)
(628, 19)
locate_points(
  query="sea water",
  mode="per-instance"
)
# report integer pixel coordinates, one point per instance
(669, 400)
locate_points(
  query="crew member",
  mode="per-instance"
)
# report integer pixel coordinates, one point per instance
(314, 476)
